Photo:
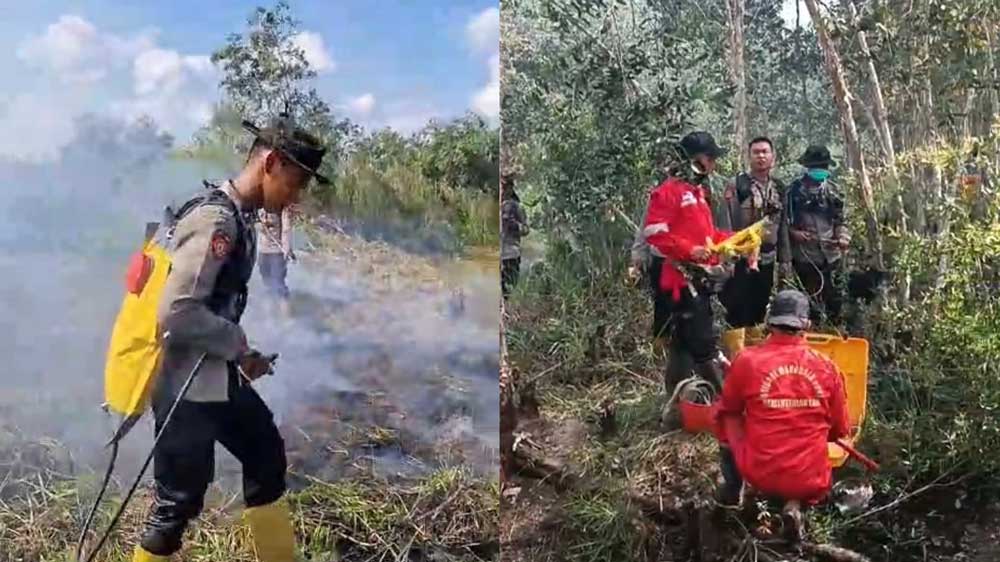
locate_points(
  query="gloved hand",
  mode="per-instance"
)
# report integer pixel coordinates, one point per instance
(290, 256)
(253, 364)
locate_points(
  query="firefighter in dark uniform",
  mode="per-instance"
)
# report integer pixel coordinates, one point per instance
(213, 247)
(749, 198)
(818, 232)
(678, 228)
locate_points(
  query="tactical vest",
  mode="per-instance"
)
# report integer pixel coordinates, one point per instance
(824, 202)
(229, 296)
(769, 208)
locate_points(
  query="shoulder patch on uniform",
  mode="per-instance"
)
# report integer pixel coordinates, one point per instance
(222, 244)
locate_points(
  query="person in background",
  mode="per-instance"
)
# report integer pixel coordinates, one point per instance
(818, 232)
(274, 232)
(513, 225)
(753, 196)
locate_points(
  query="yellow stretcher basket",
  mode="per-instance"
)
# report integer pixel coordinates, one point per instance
(851, 357)
(135, 349)
(744, 242)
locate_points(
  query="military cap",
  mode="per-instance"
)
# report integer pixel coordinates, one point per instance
(302, 148)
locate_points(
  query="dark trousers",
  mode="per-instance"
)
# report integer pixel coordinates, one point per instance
(819, 282)
(184, 462)
(689, 323)
(661, 301)
(273, 270)
(510, 270)
(746, 294)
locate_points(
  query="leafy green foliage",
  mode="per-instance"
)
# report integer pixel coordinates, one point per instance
(264, 70)
(446, 173)
(593, 93)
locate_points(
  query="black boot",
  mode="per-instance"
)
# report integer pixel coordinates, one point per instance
(679, 365)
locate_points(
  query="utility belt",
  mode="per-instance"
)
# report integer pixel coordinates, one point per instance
(707, 279)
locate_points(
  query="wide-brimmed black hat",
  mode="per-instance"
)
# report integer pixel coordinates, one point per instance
(789, 308)
(302, 148)
(700, 142)
(817, 156)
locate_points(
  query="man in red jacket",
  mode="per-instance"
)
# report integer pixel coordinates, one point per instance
(781, 403)
(678, 229)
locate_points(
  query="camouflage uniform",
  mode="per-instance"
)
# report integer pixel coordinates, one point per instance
(818, 210)
(747, 293)
(514, 225)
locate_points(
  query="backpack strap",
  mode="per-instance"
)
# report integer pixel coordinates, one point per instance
(212, 196)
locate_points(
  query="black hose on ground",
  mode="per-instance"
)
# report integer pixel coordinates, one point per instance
(138, 478)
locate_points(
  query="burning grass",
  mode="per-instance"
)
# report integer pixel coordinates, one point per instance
(446, 514)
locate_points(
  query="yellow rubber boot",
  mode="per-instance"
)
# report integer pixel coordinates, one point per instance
(273, 535)
(141, 555)
(733, 342)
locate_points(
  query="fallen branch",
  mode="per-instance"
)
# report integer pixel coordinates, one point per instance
(833, 553)
(546, 469)
(535, 378)
(904, 498)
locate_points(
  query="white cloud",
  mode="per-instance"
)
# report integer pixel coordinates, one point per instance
(75, 51)
(408, 115)
(362, 105)
(483, 31)
(167, 71)
(138, 76)
(176, 90)
(486, 102)
(483, 34)
(316, 53)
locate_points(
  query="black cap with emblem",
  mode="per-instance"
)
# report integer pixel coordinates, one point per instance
(302, 148)
(700, 142)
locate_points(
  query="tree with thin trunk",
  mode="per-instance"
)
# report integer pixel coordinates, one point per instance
(855, 157)
(880, 114)
(737, 73)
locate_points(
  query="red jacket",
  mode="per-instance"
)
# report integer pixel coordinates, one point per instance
(679, 218)
(781, 403)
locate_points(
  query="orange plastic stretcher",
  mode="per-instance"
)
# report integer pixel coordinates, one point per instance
(851, 357)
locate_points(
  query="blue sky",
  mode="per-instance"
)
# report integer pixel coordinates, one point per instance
(382, 62)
